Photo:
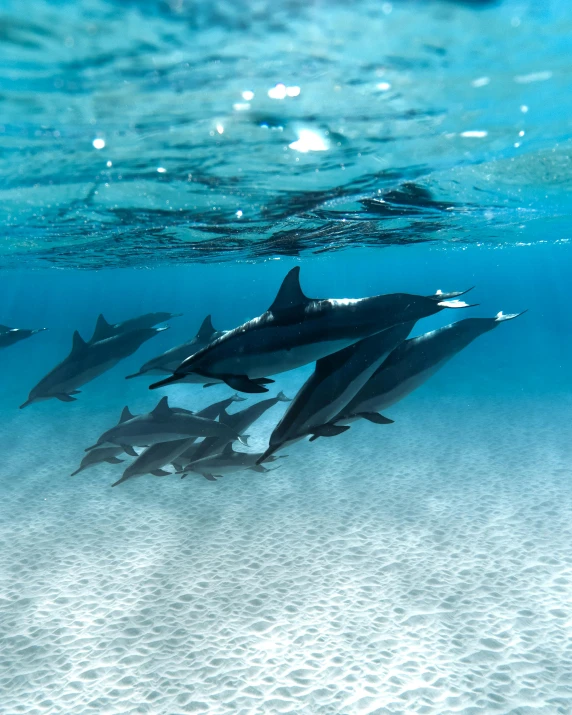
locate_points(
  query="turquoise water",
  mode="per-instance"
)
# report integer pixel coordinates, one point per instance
(422, 566)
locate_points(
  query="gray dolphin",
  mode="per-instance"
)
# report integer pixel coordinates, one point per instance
(163, 424)
(104, 330)
(152, 459)
(334, 382)
(85, 362)
(107, 453)
(297, 330)
(228, 462)
(168, 361)
(239, 422)
(413, 362)
(9, 336)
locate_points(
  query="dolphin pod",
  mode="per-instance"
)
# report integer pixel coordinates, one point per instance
(87, 360)
(297, 330)
(364, 364)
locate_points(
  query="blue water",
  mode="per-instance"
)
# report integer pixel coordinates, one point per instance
(418, 567)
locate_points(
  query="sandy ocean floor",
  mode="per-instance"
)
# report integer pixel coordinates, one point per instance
(421, 567)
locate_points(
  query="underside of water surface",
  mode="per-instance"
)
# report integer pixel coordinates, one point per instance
(184, 157)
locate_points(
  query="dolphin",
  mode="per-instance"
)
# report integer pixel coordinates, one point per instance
(108, 453)
(228, 462)
(297, 330)
(104, 330)
(163, 424)
(153, 458)
(334, 382)
(9, 336)
(168, 361)
(85, 362)
(239, 422)
(413, 362)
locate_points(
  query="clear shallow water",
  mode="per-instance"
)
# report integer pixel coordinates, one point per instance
(387, 95)
(418, 567)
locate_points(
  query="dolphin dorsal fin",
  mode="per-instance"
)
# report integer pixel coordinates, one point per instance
(228, 450)
(126, 415)
(206, 329)
(102, 330)
(162, 409)
(78, 343)
(290, 294)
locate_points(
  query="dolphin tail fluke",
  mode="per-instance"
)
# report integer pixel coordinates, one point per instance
(243, 439)
(242, 383)
(376, 418)
(167, 381)
(328, 431)
(501, 317)
(439, 295)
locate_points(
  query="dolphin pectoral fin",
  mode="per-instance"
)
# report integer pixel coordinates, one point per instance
(209, 477)
(243, 384)
(160, 473)
(328, 431)
(259, 468)
(129, 450)
(211, 384)
(114, 460)
(375, 417)
(456, 304)
(65, 398)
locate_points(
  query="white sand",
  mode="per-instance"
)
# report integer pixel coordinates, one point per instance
(422, 567)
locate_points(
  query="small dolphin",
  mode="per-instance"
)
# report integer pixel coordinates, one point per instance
(85, 362)
(297, 330)
(335, 381)
(108, 453)
(413, 362)
(9, 336)
(104, 330)
(152, 459)
(168, 361)
(163, 424)
(239, 422)
(228, 462)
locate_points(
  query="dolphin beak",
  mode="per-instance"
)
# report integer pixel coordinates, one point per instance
(25, 404)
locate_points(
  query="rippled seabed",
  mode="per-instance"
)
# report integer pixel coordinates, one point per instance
(437, 121)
